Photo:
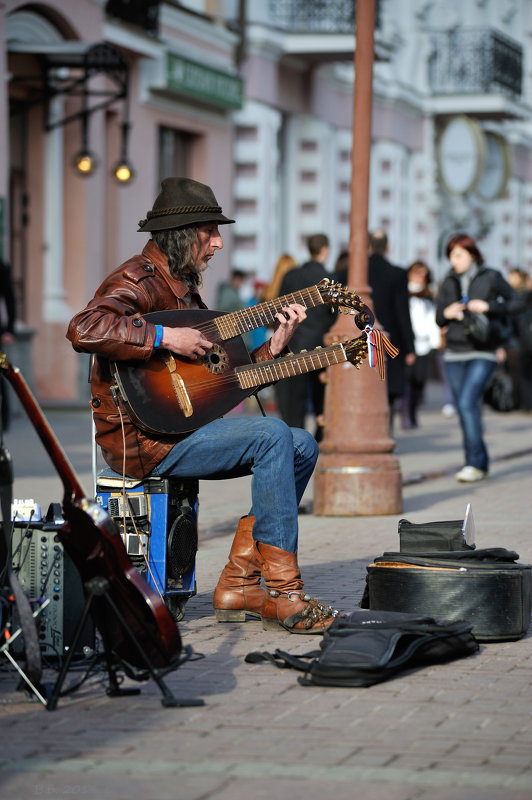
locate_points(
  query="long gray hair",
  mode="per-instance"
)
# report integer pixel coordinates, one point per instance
(176, 244)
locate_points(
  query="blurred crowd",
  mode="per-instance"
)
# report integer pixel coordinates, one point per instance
(472, 333)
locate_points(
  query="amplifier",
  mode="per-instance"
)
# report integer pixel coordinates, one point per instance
(44, 569)
(160, 528)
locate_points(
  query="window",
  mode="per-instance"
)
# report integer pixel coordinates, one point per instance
(175, 148)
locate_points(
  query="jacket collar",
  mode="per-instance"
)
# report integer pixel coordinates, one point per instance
(479, 271)
(158, 259)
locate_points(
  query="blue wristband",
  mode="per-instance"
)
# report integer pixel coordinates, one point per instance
(158, 336)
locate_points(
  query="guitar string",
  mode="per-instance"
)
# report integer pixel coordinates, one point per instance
(229, 328)
(291, 364)
(265, 313)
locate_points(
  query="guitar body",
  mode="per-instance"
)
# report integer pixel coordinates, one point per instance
(183, 395)
(93, 541)
(173, 395)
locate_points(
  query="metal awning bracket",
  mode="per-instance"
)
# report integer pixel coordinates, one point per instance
(67, 70)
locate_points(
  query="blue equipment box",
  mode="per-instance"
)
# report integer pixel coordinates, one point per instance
(161, 521)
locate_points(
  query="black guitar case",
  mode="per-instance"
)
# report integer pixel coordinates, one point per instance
(488, 588)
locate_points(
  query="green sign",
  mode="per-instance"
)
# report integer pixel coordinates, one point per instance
(204, 83)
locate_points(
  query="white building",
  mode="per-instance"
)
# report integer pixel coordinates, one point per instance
(431, 174)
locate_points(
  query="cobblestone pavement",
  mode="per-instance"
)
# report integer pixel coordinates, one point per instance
(457, 730)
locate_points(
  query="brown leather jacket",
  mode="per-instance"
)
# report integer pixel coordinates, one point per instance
(112, 327)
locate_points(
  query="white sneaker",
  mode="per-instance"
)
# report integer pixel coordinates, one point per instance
(448, 410)
(470, 474)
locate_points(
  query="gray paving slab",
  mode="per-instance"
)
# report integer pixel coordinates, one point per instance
(458, 730)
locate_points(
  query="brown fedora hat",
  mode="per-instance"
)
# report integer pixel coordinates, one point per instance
(182, 202)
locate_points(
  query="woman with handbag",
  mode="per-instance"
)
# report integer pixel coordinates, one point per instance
(473, 305)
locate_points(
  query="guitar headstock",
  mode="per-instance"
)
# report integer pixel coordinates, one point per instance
(347, 302)
(356, 350)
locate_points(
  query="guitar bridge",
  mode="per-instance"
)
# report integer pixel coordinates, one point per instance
(178, 386)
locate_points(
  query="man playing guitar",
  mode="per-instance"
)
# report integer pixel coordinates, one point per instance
(167, 275)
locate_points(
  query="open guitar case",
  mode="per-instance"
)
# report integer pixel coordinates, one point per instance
(436, 572)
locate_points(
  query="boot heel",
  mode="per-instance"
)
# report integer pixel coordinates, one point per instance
(271, 625)
(229, 615)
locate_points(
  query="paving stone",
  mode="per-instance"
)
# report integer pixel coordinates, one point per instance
(458, 730)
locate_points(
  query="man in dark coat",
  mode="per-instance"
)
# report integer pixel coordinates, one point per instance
(389, 286)
(293, 394)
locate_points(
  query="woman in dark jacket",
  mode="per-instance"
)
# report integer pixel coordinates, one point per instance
(470, 288)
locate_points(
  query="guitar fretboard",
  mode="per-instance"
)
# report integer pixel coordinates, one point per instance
(248, 319)
(250, 375)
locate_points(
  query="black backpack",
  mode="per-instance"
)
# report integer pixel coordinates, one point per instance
(368, 647)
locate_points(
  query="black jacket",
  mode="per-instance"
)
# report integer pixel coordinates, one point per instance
(488, 284)
(310, 333)
(389, 294)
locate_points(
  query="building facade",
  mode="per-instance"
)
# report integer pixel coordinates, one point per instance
(451, 130)
(255, 98)
(152, 82)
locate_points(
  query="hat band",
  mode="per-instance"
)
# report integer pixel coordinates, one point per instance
(163, 212)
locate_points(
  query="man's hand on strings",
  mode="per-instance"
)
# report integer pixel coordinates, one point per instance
(187, 342)
(289, 318)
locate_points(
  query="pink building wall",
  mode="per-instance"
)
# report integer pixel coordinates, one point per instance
(100, 218)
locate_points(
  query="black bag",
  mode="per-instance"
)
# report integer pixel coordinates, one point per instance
(485, 331)
(499, 392)
(367, 648)
(485, 587)
(425, 537)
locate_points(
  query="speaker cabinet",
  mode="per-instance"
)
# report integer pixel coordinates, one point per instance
(44, 569)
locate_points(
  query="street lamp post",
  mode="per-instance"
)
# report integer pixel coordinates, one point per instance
(356, 473)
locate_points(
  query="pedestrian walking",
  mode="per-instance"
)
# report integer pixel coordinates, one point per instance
(295, 396)
(427, 339)
(472, 294)
(389, 291)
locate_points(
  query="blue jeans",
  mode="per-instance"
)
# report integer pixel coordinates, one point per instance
(280, 459)
(468, 381)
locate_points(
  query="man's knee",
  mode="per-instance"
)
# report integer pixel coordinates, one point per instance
(275, 429)
(305, 444)
(278, 432)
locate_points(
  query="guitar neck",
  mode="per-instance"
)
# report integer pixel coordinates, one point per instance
(248, 319)
(253, 375)
(72, 488)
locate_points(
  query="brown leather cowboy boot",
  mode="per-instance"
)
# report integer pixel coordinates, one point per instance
(286, 605)
(238, 591)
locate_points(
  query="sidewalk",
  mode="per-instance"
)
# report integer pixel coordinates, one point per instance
(459, 730)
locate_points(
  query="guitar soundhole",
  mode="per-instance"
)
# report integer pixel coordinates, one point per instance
(216, 360)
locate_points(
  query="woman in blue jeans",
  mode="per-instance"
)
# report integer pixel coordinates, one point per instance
(471, 288)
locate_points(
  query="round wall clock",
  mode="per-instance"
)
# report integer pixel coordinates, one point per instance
(495, 168)
(460, 155)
